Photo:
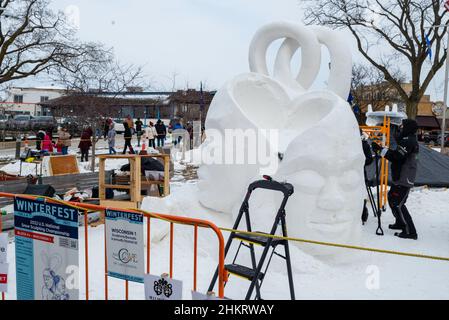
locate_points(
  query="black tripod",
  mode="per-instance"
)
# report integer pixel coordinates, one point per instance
(375, 205)
(371, 199)
(379, 230)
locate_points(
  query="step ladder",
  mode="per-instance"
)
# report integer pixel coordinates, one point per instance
(254, 273)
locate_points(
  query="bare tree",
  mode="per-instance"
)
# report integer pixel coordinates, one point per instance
(88, 78)
(391, 35)
(34, 39)
(369, 86)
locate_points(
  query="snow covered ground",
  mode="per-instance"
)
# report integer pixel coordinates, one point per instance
(356, 274)
(359, 275)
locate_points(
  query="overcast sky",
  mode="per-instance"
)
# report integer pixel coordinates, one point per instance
(199, 40)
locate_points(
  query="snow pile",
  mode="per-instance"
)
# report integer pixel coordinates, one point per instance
(84, 167)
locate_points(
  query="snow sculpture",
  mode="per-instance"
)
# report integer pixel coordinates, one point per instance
(318, 142)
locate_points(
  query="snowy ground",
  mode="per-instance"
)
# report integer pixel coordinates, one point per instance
(357, 275)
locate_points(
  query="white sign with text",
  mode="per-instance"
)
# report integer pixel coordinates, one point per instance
(124, 245)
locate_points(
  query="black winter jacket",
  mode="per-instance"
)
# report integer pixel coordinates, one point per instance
(404, 159)
(161, 129)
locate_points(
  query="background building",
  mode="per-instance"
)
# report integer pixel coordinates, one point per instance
(185, 105)
(22, 100)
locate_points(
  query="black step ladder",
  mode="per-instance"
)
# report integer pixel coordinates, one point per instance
(254, 273)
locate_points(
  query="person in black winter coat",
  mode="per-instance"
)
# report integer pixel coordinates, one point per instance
(40, 138)
(127, 135)
(161, 130)
(404, 163)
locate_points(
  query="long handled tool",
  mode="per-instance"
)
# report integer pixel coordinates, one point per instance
(379, 230)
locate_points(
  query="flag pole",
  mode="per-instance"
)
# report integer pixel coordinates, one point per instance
(443, 124)
(446, 75)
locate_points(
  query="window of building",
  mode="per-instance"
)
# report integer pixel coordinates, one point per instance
(44, 98)
(18, 98)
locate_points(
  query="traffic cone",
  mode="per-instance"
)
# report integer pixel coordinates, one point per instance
(26, 143)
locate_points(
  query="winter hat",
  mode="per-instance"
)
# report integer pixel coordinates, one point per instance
(409, 126)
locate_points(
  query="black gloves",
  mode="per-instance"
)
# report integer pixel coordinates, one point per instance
(376, 148)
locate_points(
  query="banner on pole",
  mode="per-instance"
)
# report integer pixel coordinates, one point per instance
(124, 245)
(162, 288)
(47, 253)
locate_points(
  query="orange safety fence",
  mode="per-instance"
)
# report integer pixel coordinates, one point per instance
(195, 223)
(381, 134)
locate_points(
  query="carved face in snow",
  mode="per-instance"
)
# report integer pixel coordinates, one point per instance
(325, 166)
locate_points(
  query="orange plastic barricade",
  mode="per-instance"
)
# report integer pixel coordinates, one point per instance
(195, 223)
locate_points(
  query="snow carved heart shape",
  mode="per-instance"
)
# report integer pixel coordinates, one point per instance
(309, 138)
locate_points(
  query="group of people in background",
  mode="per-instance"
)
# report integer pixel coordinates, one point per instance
(45, 142)
(153, 135)
(47, 145)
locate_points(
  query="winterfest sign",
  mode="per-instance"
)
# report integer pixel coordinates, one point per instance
(124, 245)
(47, 255)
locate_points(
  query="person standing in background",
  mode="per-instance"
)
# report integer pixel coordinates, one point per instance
(127, 136)
(151, 134)
(40, 137)
(106, 125)
(111, 139)
(47, 145)
(85, 144)
(64, 138)
(161, 130)
(130, 123)
(139, 125)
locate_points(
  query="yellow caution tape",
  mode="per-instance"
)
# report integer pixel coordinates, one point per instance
(321, 243)
(415, 255)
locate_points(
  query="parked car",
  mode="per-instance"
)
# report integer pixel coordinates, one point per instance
(431, 136)
(3, 120)
(43, 122)
(118, 126)
(446, 139)
(28, 122)
(19, 122)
